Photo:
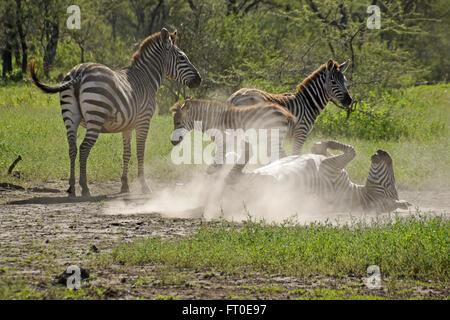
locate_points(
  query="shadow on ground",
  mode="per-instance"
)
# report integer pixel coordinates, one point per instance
(58, 200)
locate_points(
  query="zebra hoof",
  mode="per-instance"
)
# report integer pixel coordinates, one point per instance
(71, 192)
(85, 193)
(145, 189)
(124, 189)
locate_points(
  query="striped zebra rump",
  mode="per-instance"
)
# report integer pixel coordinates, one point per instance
(103, 98)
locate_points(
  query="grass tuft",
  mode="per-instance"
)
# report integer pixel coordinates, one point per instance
(416, 246)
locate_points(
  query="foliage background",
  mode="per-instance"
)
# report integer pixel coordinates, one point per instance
(269, 44)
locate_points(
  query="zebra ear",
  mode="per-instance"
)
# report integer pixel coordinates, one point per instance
(330, 65)
(165, 36)
(175, 36)
(343, 67)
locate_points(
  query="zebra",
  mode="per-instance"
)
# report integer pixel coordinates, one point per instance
(216, 116)
(111, 101)
(323, 175)
(306, 104)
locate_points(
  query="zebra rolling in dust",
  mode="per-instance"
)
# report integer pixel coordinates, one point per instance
(312, 96)
(110, 101)
(323, 175)
(217, 117)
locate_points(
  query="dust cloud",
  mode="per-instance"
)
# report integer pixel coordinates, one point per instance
(210, 197)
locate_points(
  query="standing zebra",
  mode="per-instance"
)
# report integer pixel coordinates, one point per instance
(216, 116)
(313, 94)
(325, 177)
(110, 101)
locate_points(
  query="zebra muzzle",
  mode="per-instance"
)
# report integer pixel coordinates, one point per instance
(176, 142)
(195, 82)
(347, 101)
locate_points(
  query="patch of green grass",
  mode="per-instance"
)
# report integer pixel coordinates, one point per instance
(419, 113)
(412, 247)
(25, 289)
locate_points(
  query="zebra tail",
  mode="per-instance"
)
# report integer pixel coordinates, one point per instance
(47, 88)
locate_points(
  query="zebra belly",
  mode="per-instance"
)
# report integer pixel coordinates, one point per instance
(298, 171)
(111, 125)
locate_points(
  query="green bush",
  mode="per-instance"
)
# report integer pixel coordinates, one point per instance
(404, 113)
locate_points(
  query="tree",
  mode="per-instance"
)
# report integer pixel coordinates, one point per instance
(51, 12)
(7, 37)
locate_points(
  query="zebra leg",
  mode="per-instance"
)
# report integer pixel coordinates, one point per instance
(281, 151)
(219, 156)
(340, 161)
(274, 140)
(237, 169)
(126, 159)
(299, 139)
(92, 132)
(141, 137)
(320, 148)
(72, 124)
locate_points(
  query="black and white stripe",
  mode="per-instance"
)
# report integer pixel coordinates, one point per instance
(323, 175)
(313, 94)
(104, 100)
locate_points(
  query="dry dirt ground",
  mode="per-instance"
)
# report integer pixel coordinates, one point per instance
(42, 232)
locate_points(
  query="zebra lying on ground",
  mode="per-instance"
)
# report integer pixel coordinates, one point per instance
(324, 177)
(104, 100)
(216, 118)
(312, 95)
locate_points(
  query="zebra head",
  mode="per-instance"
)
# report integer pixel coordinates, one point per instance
(177, 65)
(335, 83)
(181, 123)
(381, 182)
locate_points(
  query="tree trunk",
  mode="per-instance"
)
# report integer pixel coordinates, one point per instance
(82, 54)
(6, 60)
(20, 31)
(52, 44)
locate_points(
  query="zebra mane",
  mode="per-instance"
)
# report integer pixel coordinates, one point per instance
(154, 38)
(222, 106)
(313, 75)
(199, 103)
